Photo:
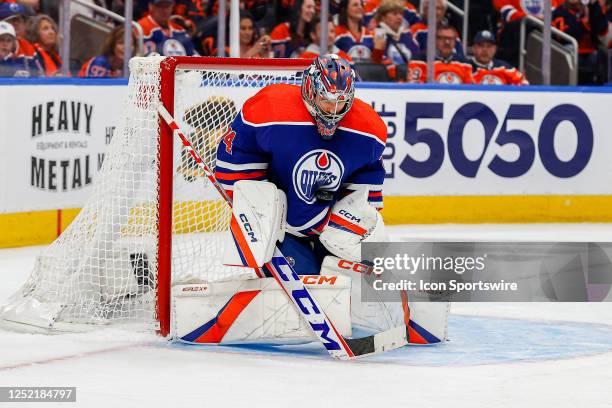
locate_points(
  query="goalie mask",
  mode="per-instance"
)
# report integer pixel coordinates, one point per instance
(328, 89)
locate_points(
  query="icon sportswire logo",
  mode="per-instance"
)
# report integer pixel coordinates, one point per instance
(316, 170)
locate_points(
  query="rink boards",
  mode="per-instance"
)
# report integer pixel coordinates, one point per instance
(455, 154)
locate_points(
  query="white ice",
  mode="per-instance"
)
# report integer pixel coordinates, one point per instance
(113, 368)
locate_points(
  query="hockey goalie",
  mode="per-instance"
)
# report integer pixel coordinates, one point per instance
(303, 166)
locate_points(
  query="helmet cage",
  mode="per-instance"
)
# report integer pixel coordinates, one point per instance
(318, 88)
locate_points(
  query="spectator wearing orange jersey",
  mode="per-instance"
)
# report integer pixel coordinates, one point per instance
(42, 33)
(449, 67)
(291, 38)
(396, 44)
(419, 28)
(511, 13)
(514, 10)
(17, 15)
(109, 63)
(163, 36)
(10, 64)
(486, 69)
(313, 50)
(352, 36)
(586, 22)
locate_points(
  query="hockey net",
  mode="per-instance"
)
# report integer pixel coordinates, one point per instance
(153, 219)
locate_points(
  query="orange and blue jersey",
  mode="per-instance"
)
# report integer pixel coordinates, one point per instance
(282, 44)
(274, 138)
(497, 72)
(400, 49)
(586, 25)
(419, 32)
(26, 50)
(99, 67)
(19, 66)
(514, 10)
(358, 48)
(171, 41)
(454, 70)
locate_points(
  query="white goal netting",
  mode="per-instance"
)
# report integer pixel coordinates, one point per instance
(103, 268)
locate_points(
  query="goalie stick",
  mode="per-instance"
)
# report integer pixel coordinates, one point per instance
(305, 304)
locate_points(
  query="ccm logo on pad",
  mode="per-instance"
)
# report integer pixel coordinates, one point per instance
(318, 279)
(349, 216)
(355, 266)
(247, 227)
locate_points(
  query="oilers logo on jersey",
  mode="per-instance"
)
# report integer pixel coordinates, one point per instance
(360, 53)
(173, 48)
(316, 170)
(491, 80)
(449, 78)
(533, 7)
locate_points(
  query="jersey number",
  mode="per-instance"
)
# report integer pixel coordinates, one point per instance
(228, 139)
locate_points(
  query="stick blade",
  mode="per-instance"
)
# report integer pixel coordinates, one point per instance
(379, 342)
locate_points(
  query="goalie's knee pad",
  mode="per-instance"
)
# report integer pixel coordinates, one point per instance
(380, 311)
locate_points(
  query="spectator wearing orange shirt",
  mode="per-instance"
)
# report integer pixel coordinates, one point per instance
(419, 28)
(10, 64)
(42, 33)
(109, 63)
(161, 35)
(17, 15)
(449, 67)
(396, 43)
(313, 50)
(486, 69)
(587, 23)
(352, 36)
(290, 39)
(511, 13)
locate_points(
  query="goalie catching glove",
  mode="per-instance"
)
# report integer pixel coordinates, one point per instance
(353, 221)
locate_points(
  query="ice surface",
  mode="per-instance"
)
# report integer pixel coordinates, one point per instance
(500, 355)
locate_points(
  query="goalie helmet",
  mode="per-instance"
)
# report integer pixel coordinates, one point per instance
(328, 90)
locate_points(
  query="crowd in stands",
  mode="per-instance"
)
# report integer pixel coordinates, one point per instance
(371, 34)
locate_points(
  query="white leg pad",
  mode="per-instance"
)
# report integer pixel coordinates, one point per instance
(384, 315)
(254, 311)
